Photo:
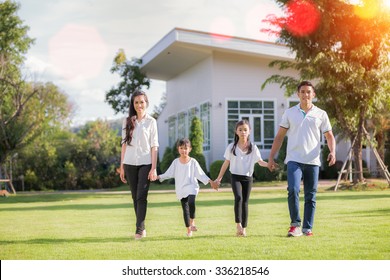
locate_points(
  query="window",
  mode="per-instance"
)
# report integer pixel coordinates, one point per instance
(205, 120)
(261, 117)
(180, 126)
(182, 129)
(172, 131)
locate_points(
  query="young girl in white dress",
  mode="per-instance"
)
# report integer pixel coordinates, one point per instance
(187, 172)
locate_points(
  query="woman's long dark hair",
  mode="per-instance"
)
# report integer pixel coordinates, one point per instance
(236, 138)
(130, 120)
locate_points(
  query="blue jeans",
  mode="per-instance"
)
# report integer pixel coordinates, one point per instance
(309, 173)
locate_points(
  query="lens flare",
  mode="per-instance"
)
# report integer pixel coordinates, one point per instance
(222, 25)
(303, 17)
(77, 52)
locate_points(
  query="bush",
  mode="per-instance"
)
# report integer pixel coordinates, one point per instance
(201, 160)
(263, 174)
(167, 159)
(387, 159)
(215, 167)
(331, 172)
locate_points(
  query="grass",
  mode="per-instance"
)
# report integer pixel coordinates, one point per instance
(349, 225)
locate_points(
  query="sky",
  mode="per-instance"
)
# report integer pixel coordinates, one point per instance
(77, 40)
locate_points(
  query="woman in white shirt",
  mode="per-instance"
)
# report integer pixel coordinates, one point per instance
(241, 155)
(187, 172)
(139, 156)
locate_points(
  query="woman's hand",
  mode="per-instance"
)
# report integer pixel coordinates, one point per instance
(122, 174)
(152, 176)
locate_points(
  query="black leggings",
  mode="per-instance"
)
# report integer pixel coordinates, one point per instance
(241, 186)
(188, 205)
(137, 177)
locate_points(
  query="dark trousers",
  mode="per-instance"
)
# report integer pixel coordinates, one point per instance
(137, 177)
(242, 186)
(188, 205)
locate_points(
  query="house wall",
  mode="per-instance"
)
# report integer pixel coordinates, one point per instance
(190, 88)
(240, 77)
(218, 79)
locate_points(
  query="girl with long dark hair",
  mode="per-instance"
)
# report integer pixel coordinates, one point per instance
(139, 156)
(241, 155)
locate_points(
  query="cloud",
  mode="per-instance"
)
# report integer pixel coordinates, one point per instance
(76, 40)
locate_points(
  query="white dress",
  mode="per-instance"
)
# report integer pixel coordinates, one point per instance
(186, 177)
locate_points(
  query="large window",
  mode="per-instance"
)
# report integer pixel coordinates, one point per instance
(205, 120)
(179, 125)
(261, 116)
(182, 128)
(172, 131)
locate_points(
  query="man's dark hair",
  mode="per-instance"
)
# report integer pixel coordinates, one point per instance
(305, 83)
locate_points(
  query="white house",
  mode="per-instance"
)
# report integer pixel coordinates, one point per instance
(218, 78)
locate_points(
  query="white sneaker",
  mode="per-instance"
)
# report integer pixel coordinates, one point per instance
(294, 231)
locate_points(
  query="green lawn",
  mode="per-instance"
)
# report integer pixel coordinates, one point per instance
(349, 225)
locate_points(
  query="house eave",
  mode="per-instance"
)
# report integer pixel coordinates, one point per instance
(182, 48)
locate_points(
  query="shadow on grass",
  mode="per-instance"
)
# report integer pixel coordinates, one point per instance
(43, 241)
(55, 197)
(209, 203)
(376, 213)
(86, 240)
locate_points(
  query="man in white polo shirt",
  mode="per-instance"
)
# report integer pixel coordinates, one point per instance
(303, 125)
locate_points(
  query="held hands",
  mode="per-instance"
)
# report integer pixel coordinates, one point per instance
(272, 165)
(214, 185)
(152, 176)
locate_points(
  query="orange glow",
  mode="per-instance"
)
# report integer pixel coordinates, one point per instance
(367, 9)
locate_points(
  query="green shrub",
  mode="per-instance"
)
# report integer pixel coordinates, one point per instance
(215, 167)
(262, 174)
(201, 160)
(387, 159)
(167, 159)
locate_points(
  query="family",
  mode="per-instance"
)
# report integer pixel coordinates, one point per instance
(303, 124)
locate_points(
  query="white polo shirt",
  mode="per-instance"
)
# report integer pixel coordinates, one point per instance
(242, 163)
(145, 137)
(304, 133)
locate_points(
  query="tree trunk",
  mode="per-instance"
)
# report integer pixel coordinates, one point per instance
(357, 150)
(357, 153)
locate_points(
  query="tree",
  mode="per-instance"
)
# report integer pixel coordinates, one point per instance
(26, 111)
(196, 138)
(345, 53)
(26, 108)
(158, 109)
(132, 79)
(14, 42)
(98, 156)
(63, 160)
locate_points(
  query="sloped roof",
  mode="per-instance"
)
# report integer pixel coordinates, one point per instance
(182, 48)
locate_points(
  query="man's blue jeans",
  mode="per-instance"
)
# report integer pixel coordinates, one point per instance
(309, 173)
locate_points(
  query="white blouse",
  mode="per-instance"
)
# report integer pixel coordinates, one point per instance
(145, 137)
(242, 163)
(186, 177)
